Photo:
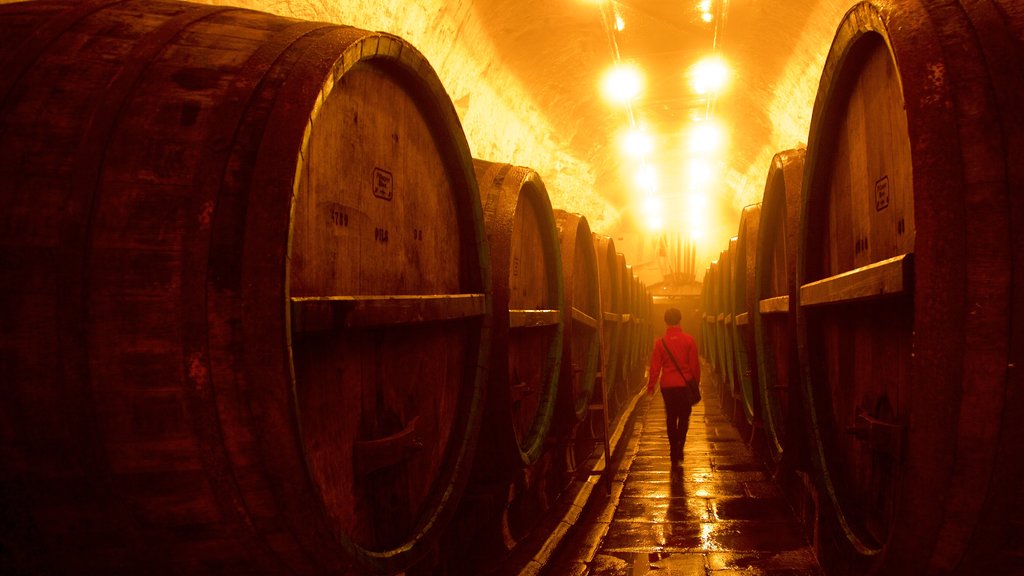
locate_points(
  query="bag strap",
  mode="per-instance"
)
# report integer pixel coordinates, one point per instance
(674, 363)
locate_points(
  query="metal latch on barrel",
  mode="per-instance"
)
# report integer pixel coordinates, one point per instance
(882, 436)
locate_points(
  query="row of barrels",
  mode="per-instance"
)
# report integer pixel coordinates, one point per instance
(868, 314)
(262, 312)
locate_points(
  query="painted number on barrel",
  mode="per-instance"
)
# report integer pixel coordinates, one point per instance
(383, 184)
(339, 217)
(417, 234)
(882, 194)
(380, 235)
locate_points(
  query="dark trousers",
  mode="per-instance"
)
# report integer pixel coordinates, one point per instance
(677, 411)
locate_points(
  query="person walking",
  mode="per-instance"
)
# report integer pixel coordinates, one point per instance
(675, 363)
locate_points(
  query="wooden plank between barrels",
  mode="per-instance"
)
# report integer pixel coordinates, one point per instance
(533, 318)
(320, 313)
(612, 317)
(890, 277)
(777, 305)
(743, 319)
(584, 318)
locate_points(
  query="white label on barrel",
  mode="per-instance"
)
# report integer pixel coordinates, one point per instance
(882, 194)
(383, 184)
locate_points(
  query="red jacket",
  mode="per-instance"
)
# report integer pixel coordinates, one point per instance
(685, 351)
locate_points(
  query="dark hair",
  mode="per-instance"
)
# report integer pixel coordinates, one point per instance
(673, 316)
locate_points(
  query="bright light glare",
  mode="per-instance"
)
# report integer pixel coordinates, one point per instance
(704, 6)
(706, 137)
(709, 76)
(697, 202)
(647, 178)
(623, 83)
(706, 17)
(620, 24)
(652, 206)
(637, 143)
(700, 173)
(655, 222)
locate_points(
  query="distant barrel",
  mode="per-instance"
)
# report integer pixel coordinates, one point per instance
(908, 257)
(245, 292)
(526, 268)
(608, 275)
(710, 289)
(774, 282)
(743, 312)
(621, 374)
(582, 304)
(724, 332)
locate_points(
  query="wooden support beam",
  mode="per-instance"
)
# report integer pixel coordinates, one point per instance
(325, 313)
(776, 305)
(533, 318)
(584, 318)
(892, 277)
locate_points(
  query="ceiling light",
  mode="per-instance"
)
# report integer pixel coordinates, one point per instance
(647, 178)
(709, 76)
(700, 173)
(706, 137)
(637, 143)
(623, 83)
(652, 206)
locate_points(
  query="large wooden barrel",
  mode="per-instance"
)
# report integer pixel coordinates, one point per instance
(774, 283)
(526, 272)
(743, 305)
(245, 293)
(582, 305)
(906, 263)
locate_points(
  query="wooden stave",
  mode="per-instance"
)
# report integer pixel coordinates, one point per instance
(305, 544)
(924, 534)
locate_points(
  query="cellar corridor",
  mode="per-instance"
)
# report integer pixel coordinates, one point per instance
(721, 514)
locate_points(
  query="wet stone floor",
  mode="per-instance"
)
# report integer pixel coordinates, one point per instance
(720, 515)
